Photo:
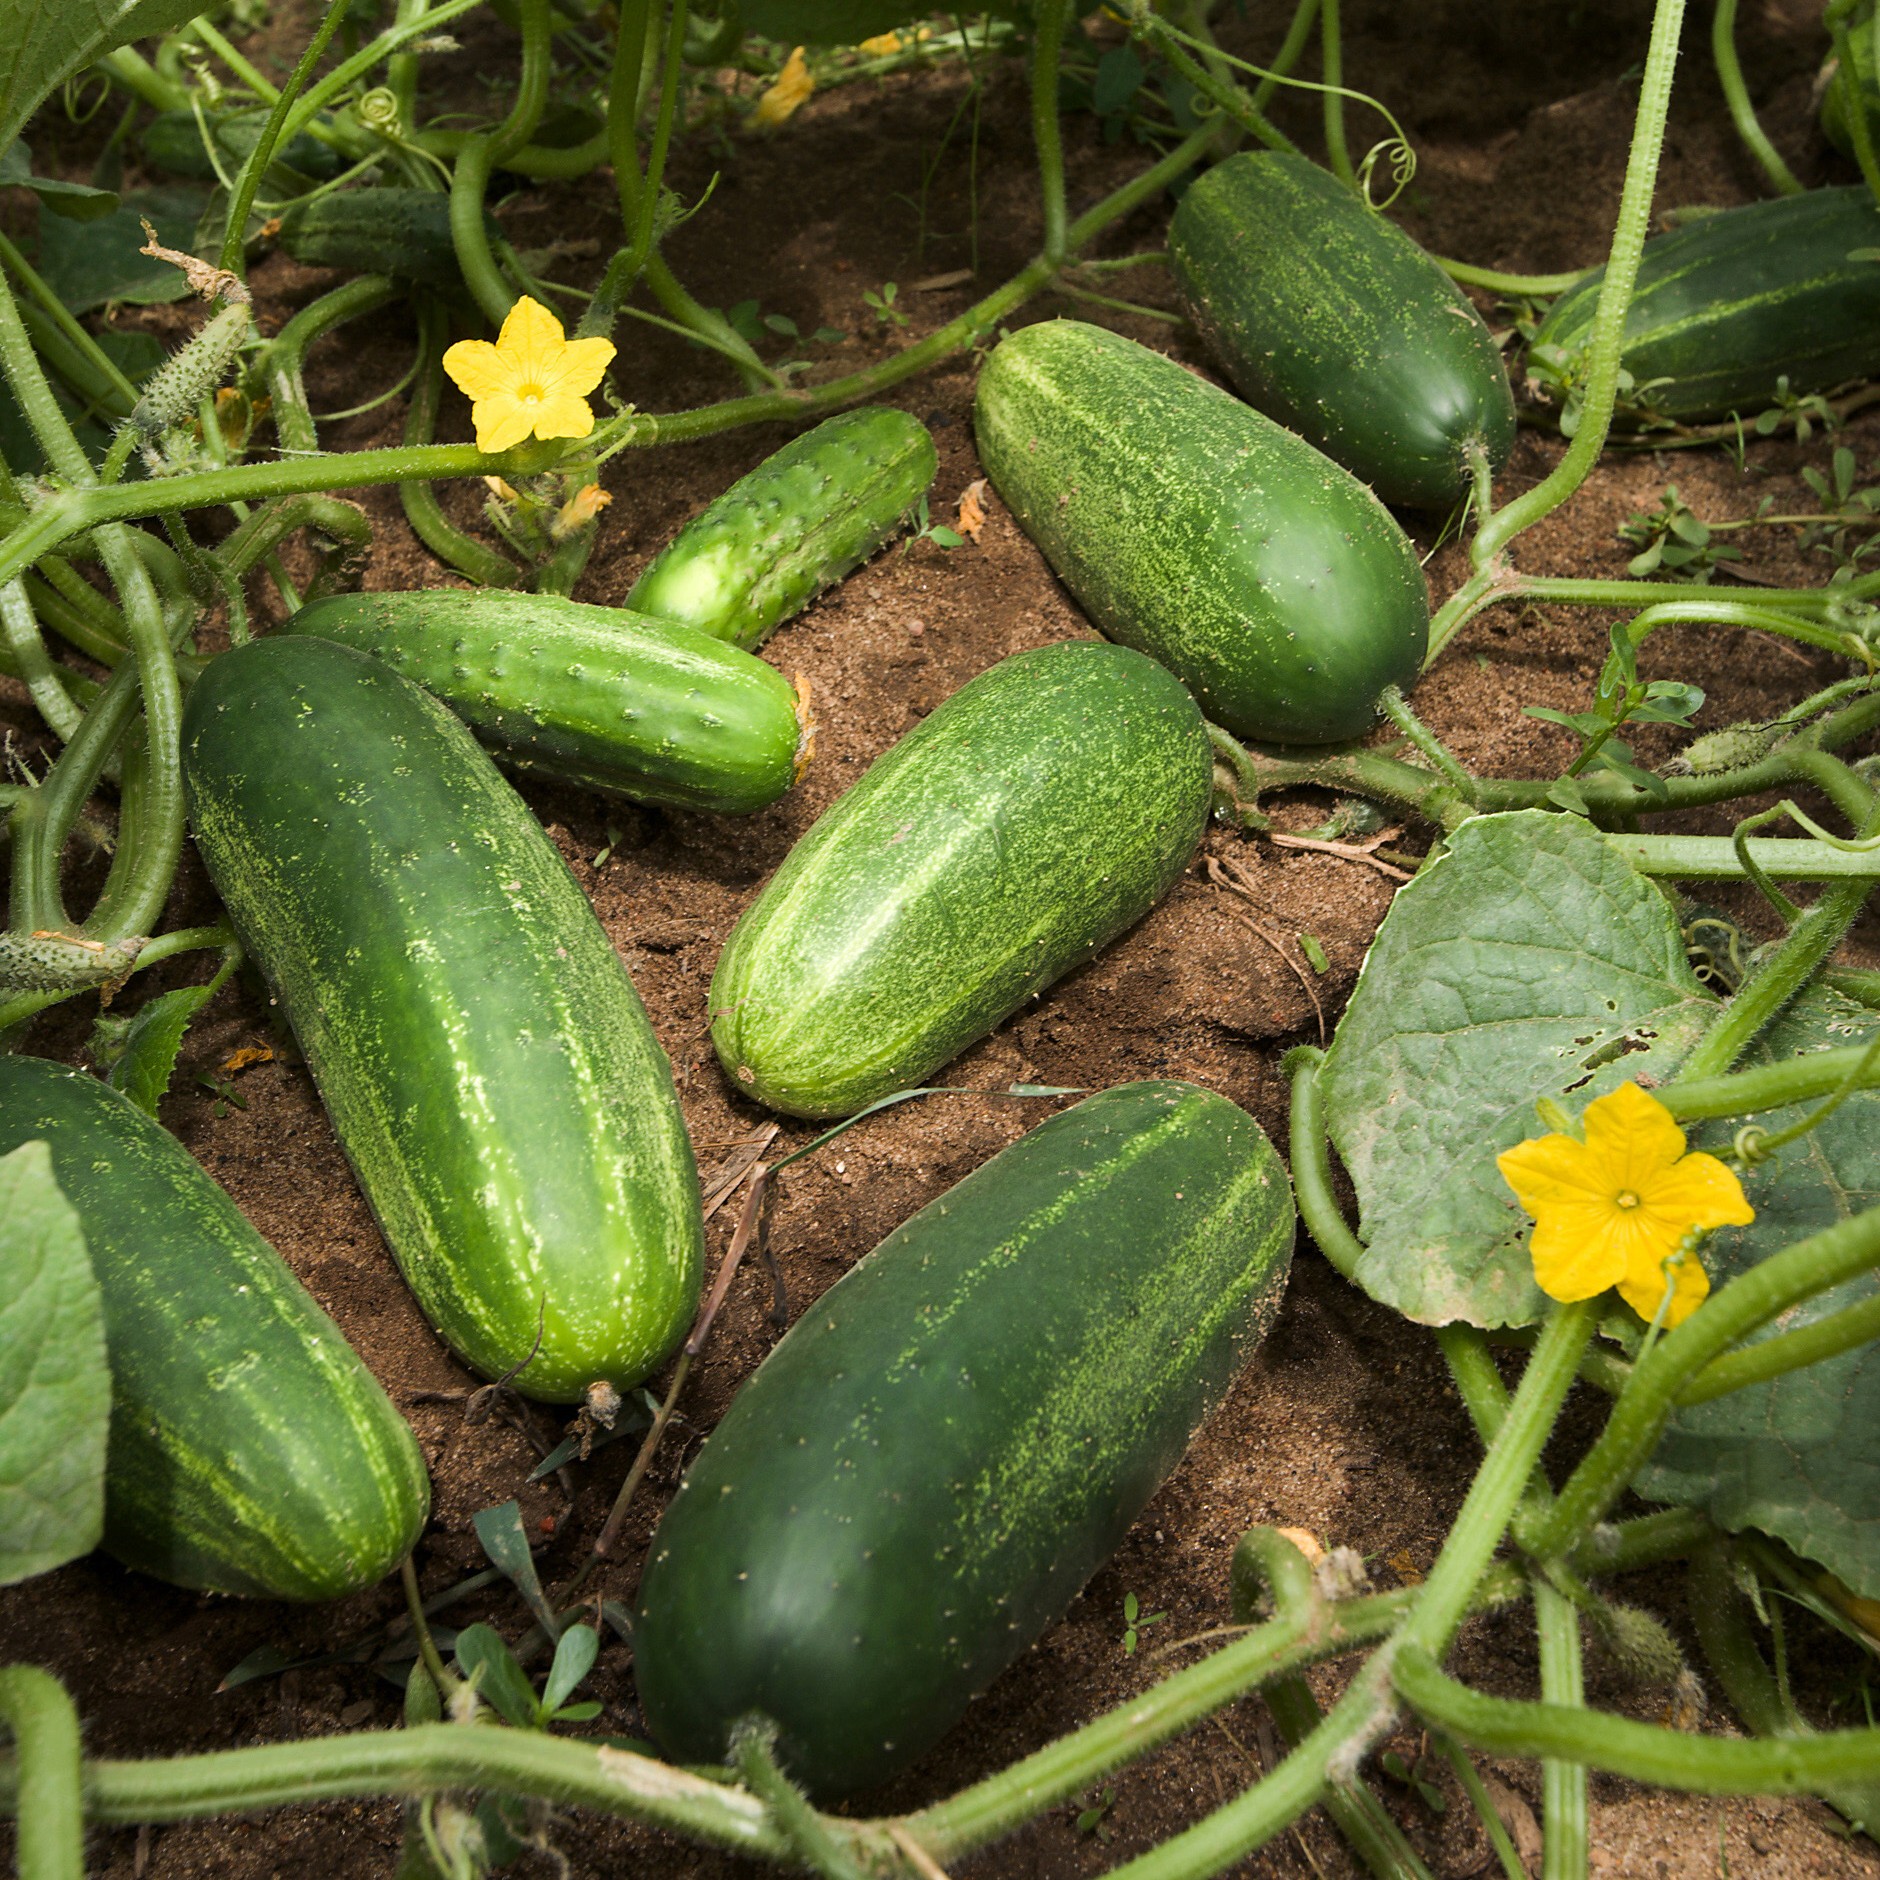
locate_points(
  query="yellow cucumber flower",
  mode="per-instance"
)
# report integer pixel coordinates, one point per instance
(1610, 1211)
(792, 88)
(881, 45)
(532, 383)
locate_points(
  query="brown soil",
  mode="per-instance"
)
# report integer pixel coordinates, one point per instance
(1345, 1422)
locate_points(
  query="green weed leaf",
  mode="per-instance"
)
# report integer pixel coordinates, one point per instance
(1530, 961)
(500, 1681)
(575, 1653)
(1794, 1457)
(55, 1386)
(504, 1540)
(148, 1046)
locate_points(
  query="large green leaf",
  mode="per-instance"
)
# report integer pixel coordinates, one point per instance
(1798, 1458)
(839, 22)
(46, 41)
(89, 263)
(1532, 960)
(55, 1387)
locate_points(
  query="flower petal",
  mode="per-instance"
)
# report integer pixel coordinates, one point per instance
(502, 421)
(1643, 1289)
(1576, 1250)
(1550, 1170)
(1698, 1192)
(563, 415)
(1633, 1136)
(478, 369)
(531, 341)
(578, 368)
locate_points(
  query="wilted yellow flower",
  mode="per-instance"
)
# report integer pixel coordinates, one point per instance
(533, 382)
(1610, 1211)
(792, 89)
(579, 511)
(881, 45)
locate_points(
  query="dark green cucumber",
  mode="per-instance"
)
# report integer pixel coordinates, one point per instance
(250, 1450)
(384, 230)
(798, 523)
(593, 695)
(1267, 579)
(1046, 806)
(487, 1065)
(1333, 321)
(172, 141)
(955, 1436)
(1730, 303)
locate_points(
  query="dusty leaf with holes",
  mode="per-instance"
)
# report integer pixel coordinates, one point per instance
(1533, 960)
(1794, 1457)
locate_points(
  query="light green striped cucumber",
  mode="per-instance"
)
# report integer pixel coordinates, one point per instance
(644, 708)
(250, 1450)
(1267, 579)
(487, 1065)
(1045, 807)
(798, 523)
(956, 1435)
(1333, 321)
(1730, 304)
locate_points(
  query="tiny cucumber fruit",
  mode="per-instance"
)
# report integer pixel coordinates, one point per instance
(644, 708)
(798, 523)
(1333, 321)
(1043, 808)
(1267, 579)
(957, 1434)
(488, 1067)
(250, 1450)
(383, 230)
(1731, 303)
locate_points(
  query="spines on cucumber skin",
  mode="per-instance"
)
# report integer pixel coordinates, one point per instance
(1193, 528)
(956, 1435)
(1331, 320)
(617, 701)
(805, 517)
(487, 1065)
(250, 1451)
(1022, 825)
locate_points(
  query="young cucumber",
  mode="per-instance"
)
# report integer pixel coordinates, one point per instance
(1270, 581)
(1730, 304)
(1046, 806)
(250, 1450)
(593, 695)
(387, 230)
(955, 1436)
(798, 523)
(487, 1065)
(1332, 320)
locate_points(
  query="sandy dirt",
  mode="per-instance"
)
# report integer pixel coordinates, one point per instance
(1344, 1423)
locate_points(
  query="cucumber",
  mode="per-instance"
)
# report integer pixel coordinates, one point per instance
(1333, 321)
(957, 1434)
(250, 1450)
(797, 524)
(384, 230)
(1046, 806)
(1732, 302)
(1270, 581)
(172, 141)
(489, 1070)
(592, 695)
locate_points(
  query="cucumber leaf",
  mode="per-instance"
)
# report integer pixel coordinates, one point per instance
(834, 22)
(89, 263)
(1794, 1458)
(55, 1386)
(47, 41)
(1532, 960)
(80, 201)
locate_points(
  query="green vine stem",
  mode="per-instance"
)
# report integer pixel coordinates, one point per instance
(32, 664)
(1298, 37)
(1309, 1155)
(1715, 858)
(1771, 1086)
(234, 236)
(1226, 96)
(1332, 76)
(1615, 297)
(1736, 96)
(1565, 1839)
(34, 1706)
(1824, 1260)
(1046, 54)
(1644, 1752)
(1845, 1330)
(280, 364)
(1521, 286)
(753, 1754)
(1847, 77)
